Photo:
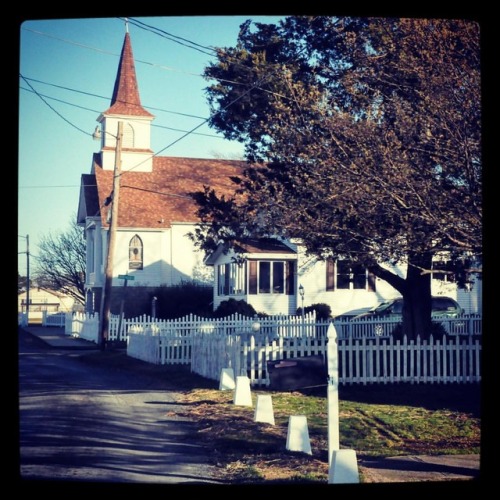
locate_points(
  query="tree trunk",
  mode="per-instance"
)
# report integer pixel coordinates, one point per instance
(417, 307)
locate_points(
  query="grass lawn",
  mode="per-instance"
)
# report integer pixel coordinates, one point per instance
(375, 421)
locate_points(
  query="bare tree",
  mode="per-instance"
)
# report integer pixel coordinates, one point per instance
(61, 262)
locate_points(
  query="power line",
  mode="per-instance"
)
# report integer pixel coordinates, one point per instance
(156, 31)
(173, 38)
(154, 191)
(69, 89)
(97, 112)
(49, 187)
(54, 110)
(95, 49)
(256, 86)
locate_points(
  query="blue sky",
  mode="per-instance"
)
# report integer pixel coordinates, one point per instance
(72, 64)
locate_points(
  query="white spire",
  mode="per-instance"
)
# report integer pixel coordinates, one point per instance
(126, 25)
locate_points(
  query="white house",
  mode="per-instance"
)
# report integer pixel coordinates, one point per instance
(156, 214)
(45, 300)
(267, 274)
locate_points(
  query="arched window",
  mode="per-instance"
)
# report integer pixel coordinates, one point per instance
(135, 253)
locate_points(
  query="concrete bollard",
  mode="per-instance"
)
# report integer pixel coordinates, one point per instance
(344, 467)
(298, 434)
(226, 380)
(264, 409)
(242, 394)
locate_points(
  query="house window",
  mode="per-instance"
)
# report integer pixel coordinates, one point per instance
(135, 253)
(342, 275)
(271, 277)
(231, 279)
(264, 277)
(439, 270)
(330, 275)
(290, 277)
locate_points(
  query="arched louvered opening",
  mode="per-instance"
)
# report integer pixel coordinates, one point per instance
(128, 136)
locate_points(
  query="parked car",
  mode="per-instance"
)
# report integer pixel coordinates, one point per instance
(385, 319)
(348, 315)
(442, 307)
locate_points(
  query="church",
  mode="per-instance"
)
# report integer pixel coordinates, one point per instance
(155, 211)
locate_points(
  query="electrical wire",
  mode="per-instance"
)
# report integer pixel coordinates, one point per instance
(172, 38)
(97, 112)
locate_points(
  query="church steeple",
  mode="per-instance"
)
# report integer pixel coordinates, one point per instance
(126, 107)
(126, 99)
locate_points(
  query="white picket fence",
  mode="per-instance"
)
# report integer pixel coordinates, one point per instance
(361, 361)
(367, 351)
(275, 327)
(466, 324)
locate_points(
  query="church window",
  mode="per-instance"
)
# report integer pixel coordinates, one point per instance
(135, 253)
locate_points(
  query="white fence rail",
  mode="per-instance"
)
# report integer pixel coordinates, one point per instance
(367, 351)
(361, 361)
(467, 324)
(434, 360)
(54, 319)
(22, 319)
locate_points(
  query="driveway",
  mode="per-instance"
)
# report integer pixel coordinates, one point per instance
(99, 425)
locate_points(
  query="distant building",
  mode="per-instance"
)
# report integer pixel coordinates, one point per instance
(44, 300)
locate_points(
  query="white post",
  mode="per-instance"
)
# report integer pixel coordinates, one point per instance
(242, 392)
(297, 438)
(333, 393)
(226, 381)
(264, 410)
(343, 465)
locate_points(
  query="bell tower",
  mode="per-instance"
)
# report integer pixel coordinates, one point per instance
(136, 153)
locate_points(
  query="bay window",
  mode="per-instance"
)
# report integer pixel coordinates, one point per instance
(266, 276)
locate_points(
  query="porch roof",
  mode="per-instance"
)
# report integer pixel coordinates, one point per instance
(257, 247)
(262, 245)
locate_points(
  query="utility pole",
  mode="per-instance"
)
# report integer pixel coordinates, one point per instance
(108, 277)
(27, 277)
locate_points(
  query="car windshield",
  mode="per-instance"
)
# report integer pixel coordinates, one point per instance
(443, 305)
(389, 307)
(381, 307)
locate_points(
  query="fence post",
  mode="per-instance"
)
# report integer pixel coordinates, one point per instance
(333, 393)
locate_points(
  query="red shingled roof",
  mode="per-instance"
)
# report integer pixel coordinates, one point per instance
(147, 198)
(151, 199)
(126, 99)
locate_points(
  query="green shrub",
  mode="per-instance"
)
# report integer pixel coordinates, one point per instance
(180, 300)
(323, 311)
(232, 306)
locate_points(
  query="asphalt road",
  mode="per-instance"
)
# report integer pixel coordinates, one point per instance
(98, 425)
